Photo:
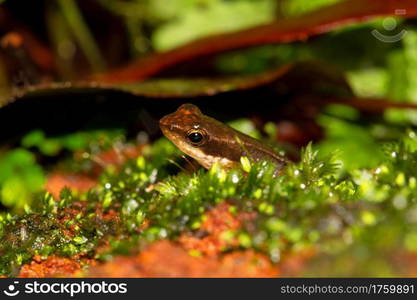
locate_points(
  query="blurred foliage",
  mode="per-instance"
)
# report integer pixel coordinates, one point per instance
(20, 178)
(297, 7)
(357, 146)
(160, 25)
(82, 33)
(180, 21)
(76, 141)
(228, 16)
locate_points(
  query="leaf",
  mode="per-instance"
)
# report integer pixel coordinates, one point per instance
(59, 108)
(282, 31)
(156, 88)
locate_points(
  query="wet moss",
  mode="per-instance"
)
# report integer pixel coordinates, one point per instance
(313, 204)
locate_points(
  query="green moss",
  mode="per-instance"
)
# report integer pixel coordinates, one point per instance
(313, 203)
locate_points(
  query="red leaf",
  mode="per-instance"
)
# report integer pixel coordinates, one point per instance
(282, 31)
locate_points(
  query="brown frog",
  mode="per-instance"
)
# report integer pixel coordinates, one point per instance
(209, 141)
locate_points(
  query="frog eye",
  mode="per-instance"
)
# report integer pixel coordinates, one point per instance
(196, 137)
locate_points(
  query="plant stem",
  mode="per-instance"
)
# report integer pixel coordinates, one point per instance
(81, 32)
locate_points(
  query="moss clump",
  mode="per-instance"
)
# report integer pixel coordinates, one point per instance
(313, 203)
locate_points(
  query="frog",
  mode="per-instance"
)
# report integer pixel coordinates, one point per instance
(211, 142)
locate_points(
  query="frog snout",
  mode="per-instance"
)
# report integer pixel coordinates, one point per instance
(165, 122)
